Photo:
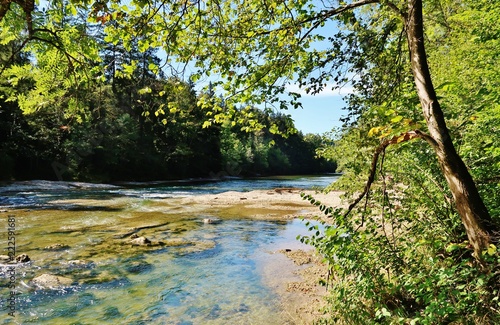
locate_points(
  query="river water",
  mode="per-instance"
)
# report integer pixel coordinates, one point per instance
(195, 273)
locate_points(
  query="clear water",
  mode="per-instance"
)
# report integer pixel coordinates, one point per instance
(203, 274)
(37, 194)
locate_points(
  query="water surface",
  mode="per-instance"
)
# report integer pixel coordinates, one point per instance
(199, 274)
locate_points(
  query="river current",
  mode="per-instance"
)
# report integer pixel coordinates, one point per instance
(200, 274)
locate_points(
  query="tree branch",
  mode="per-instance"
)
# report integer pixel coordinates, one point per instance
(395, 8)
(325, 14)
(407, 136)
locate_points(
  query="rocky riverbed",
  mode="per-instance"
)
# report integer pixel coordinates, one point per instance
(79, 242)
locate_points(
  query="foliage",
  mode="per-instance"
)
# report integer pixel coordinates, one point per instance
(110, 129)
(401, 256)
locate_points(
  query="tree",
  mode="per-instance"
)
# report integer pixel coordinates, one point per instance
(475, 217)
(258, 48)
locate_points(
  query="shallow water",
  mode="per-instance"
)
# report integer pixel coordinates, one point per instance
(195, 273)
(37, 194)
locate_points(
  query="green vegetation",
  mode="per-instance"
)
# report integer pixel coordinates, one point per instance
(420, 150)
(118, 117)
(118, 134)
(402, 256)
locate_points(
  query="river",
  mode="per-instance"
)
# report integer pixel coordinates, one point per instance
(192, 273)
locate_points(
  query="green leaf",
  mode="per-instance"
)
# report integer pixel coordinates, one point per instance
(396, 119)
(452, 247)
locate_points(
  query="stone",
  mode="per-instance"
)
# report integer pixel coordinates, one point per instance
(141, 241)
(56, 247)
(23, 258)
(50, 281)
(80, 264)
(4, 259)
(211, 221)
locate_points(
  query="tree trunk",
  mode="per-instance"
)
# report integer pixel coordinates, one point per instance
(474, 214)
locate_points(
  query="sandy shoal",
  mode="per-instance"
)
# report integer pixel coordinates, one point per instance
(262, 204)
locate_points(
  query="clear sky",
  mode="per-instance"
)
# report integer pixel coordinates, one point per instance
(320, 113)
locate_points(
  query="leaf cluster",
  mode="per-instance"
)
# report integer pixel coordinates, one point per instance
(402, 255)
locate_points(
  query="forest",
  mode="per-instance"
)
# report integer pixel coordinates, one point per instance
(417, 242)
(121, 129)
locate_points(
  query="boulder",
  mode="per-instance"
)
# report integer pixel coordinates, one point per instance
(50, 281)
(141, 241)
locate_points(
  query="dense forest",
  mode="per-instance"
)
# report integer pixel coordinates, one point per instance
(123, 128)
(420, 149)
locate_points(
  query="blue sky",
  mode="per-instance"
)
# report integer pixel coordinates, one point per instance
(321, 112)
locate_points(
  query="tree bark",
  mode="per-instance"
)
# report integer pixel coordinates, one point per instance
(478, 223)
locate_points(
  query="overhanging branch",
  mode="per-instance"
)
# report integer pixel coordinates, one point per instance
(407, 136)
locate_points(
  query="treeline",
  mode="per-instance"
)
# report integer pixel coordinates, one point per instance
(140, 126)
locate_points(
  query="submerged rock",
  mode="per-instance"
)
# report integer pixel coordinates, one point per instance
(198, 246)
(56, 247)
(50, 281)
(111, 312)
(138, 267)
(105, 278)
(141, 241)
(176, 242)
(23, 258)
(215, 312)
(243, 308)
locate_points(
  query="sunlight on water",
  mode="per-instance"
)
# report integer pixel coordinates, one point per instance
(194, 273)
(173, 285)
